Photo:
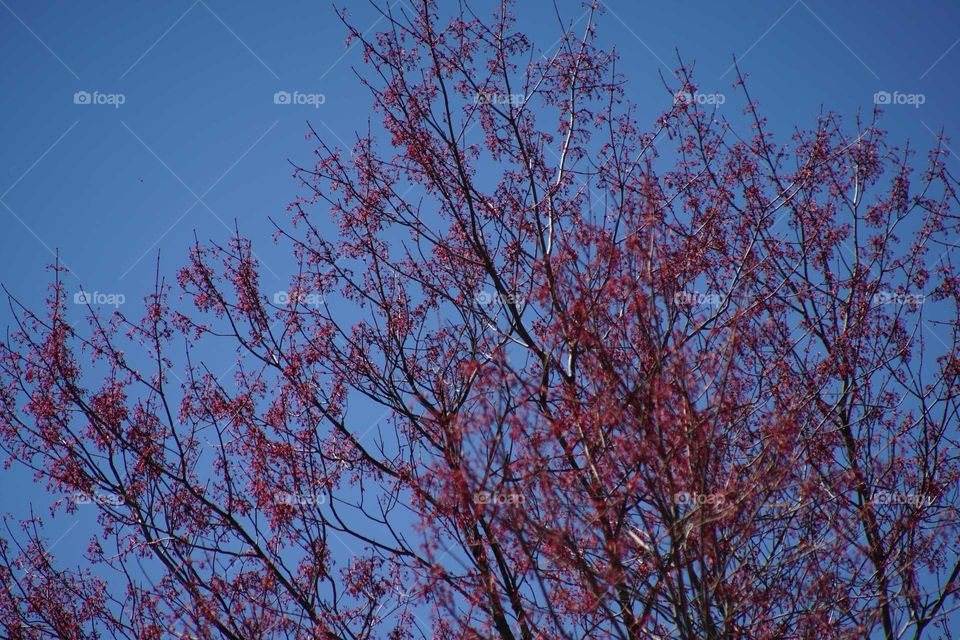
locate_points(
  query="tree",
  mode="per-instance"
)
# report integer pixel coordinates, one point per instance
(629, 392)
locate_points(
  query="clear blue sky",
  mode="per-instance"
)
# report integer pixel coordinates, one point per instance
(199, 142)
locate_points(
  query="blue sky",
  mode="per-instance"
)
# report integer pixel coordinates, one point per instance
(198, 141)
(199, 144)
